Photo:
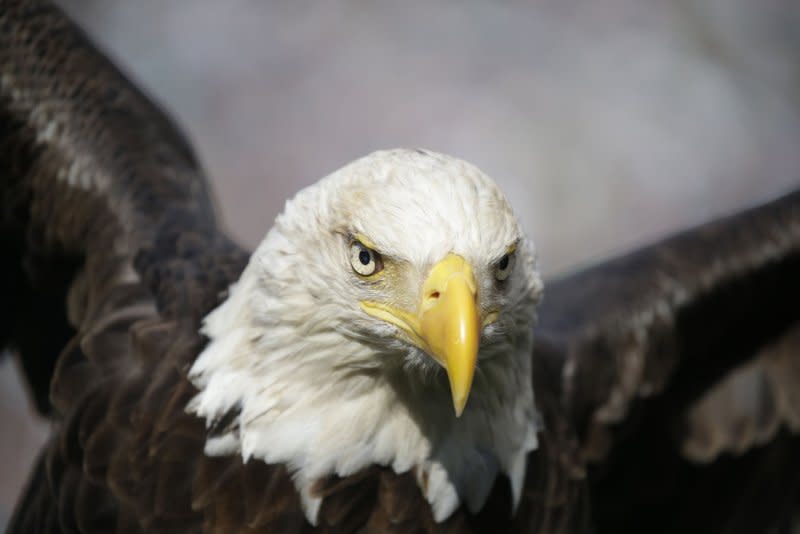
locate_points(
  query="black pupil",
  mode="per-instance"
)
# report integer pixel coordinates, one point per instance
(503, 263)
(364, 257)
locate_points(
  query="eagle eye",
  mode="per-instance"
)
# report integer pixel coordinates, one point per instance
(503, 267)
(364, 260)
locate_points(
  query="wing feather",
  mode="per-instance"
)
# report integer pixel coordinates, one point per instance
(691, 307)
(680, 352)
(749, 405)
(119, 257)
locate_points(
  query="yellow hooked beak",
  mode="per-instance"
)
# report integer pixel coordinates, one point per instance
(446, 325)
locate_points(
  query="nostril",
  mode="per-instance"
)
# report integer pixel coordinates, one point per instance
(434, 295)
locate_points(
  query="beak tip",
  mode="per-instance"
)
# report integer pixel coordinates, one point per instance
(458, 406)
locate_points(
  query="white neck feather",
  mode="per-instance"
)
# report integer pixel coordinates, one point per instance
(315, 396)
(298, 409)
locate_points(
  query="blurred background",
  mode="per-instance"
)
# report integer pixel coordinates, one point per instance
(608, 123)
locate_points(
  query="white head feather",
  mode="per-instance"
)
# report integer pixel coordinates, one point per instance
(327, 389)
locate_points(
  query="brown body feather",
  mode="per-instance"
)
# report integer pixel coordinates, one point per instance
(117, 257)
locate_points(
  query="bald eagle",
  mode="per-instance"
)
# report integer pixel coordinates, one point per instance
(373, 365)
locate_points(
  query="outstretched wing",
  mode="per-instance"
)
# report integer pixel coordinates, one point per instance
(100, 191)
(679, 353)
(112, 258)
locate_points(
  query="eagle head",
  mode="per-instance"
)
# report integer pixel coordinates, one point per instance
(386, 319)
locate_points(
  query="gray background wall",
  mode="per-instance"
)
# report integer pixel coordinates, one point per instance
(608, 123)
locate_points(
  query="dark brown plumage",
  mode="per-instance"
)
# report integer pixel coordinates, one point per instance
(646, 337)
(115, 256)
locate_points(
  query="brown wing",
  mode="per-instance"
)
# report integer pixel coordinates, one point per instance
(113, 256)
(657, 344)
